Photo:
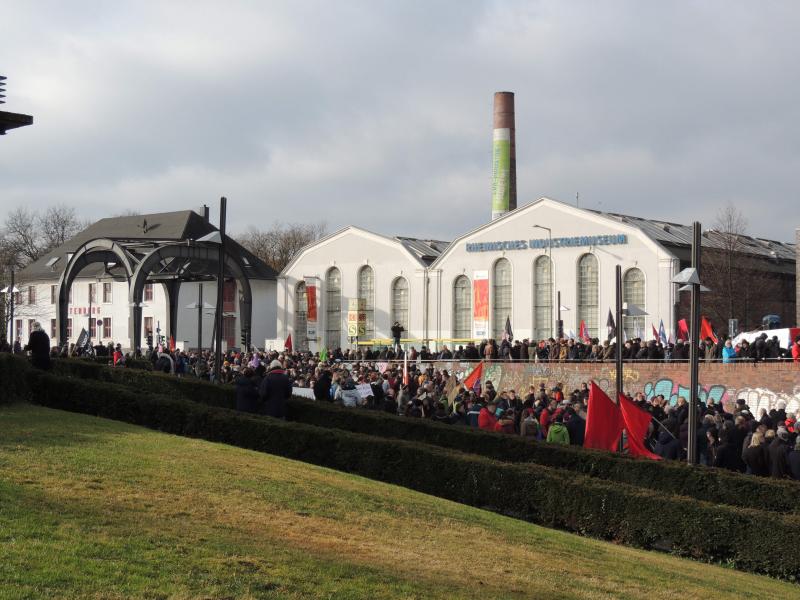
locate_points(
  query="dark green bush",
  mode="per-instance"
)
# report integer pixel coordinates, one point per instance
(748, 539)
(13, 386)
(714, 485)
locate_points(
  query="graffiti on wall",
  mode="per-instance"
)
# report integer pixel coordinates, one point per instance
(520, 376)
(672, 390)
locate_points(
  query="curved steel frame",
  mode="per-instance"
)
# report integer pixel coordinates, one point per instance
(208, 253)
(99, 250)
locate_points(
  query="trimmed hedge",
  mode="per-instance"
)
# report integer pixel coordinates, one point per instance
(747, 539)
(670, 477)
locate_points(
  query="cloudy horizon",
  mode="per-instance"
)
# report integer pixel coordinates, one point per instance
(379, 114)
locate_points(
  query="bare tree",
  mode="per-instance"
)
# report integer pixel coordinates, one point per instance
(21, 241)
(27, 235)
(276, 246)
(744, 285)
(58, 224)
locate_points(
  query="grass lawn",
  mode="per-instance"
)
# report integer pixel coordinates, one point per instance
(91, 508)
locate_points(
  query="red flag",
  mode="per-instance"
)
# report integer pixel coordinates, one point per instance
(288, 344)
(683, 330)
(603, 421)
(655, 331)
(582, 333)
(636, 422)
(706, 331)
(474, 377)
(172, 343)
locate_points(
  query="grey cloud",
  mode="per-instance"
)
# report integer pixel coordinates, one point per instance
(379, 113)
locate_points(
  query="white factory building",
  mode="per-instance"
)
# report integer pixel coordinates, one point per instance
(513, 267)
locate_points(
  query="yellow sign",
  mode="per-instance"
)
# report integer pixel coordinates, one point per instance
(356, 317)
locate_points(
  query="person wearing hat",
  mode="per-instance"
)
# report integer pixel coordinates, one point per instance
(275, 390)
(39, 346)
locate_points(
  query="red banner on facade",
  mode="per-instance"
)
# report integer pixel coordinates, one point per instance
(480, 304)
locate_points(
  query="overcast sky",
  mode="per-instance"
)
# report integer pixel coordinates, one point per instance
(379, 114)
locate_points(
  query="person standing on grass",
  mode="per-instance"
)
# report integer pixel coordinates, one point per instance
(39, 346)
(276, 389)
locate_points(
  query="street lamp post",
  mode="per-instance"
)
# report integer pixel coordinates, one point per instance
(10, 291)
(691, 279)
(550, 267)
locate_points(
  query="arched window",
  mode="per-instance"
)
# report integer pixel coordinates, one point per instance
(462, 308)
(501, 296)
(587, 294)
(400, 302)
(542, 298)
(633, 293)
(300, 339)
(333, 308)
(366, 292)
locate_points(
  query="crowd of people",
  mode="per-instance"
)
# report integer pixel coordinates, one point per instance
(766, 444)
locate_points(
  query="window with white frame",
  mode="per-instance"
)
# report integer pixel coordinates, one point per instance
(588, 294)
(633, 293)
(400, 301)
(543, 298)
(366, 292)
(502, 287)
(333, 308)
(462, 308)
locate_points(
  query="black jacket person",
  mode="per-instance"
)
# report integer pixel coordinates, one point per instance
(39, 345)
(275, 390)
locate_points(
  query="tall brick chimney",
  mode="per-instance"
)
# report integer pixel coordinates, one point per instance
(504, 156)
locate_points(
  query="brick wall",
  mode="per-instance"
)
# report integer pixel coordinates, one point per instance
(761, 384)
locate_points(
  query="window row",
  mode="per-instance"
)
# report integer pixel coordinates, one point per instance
(587, 294)
(106, 332)
(91, 295)
(587, 307)
(334, 311)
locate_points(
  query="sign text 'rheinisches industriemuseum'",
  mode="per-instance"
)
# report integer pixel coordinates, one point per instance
(561, 242)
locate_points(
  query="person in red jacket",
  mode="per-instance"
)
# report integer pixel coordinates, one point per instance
(796, 349)
(546, 416)
(486, 418)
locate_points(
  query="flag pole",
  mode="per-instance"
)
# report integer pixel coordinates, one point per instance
(618, 352)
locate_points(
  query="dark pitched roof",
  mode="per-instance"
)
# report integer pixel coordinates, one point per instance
(140, 234)
(425, 250)
(676, 235)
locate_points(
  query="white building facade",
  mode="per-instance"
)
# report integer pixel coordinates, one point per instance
(511, 269)
(101, 307)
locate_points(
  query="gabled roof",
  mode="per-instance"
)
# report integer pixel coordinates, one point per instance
(140, 233)
(424, 252)
(568, 208)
